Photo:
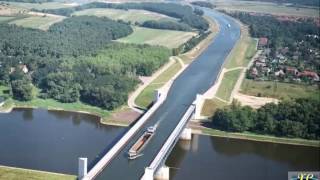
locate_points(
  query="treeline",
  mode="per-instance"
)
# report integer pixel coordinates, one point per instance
(166, 25)
(295, 119)
(203, 4)
(30, 1)
(191, 43)
(294, 2)
(185, 13)
(75, 60)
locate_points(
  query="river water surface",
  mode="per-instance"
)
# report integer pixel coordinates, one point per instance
(53, 141)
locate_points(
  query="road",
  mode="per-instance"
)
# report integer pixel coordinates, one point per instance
(197, 78)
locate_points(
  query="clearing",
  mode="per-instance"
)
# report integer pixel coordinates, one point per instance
(38, 22)
(167, 38)
(278, 90)
(125, 15)
(269, 8)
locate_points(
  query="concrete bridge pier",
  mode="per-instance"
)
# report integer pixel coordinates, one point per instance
(186, 134)
(83, 168)
(198, 104)
(163, 173)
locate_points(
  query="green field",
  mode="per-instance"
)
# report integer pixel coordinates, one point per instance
(278, 90)
(242, 53)
(126, 15)
(227, 84)
(211, 105)
(270, 8)
(8, 173)
(38, 22)
(146, 96)
(39, 6)
(167, 38)
(4, 19)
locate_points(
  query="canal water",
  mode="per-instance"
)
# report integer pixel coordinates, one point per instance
(53, 141)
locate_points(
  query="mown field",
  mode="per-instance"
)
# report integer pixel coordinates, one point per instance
(38, 22)
(129, 15)
(278, 90)
(167, 38)
(263, 7)
(8, 173)
(228, 82)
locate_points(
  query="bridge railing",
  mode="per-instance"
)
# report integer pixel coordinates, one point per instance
(122, 142)
(171, 139)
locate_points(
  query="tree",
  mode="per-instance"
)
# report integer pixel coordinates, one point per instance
(22, 90)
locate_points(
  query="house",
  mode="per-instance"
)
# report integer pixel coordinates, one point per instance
(22, 67)
(292, 71)
(279, 73)
(309, 74)
(260, 64)
(254, 72)
(263, 42)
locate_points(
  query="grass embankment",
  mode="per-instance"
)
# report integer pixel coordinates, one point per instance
(269, 8)
(229, 80)
(261, 138)
(278, 90)
(211, 105)
(167, 38)
(38, 22)
(10, 173)
(126, 15)
(146, 96)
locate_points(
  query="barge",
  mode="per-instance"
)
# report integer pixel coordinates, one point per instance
(135, 150)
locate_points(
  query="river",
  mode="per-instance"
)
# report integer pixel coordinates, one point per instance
(53, 141)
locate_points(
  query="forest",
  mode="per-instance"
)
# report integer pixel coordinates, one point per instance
(185, 13)
(75, 60)
(166, 25)
(203, 4)
(294, 2)
(295, 119)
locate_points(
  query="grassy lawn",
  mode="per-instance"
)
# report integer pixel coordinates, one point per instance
(278, 90)
(228, 82)
(167, 38)
(38, 22)
(40, 6)
(4, 19)
(270, 8)
(146, 96)
(211, 105)
(129, 15)
(242, 53)
(9, 173)
(258, 137)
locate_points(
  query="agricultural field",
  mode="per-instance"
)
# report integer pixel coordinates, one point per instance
(128, 16)
(38, 22)
(278, 90)
(4, 19)
(167, 38)
(263, 7)
(39, 6)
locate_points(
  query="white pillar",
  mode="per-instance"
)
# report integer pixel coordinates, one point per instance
(163, 173)
(186, 134)
(83, 169)
(198, 103)
(148, 174)
(157, 95)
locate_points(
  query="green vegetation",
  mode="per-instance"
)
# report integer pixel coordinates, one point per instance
(203, 4)
(227, 84)
(183, 12)
(279, 90)
(147, 95)
(167, 38)
(297, 119)
(9, 173)
(30, 1)
(294, 3)
(38, 22)
(267, 8)
(242, 53)
(5, 19)
(171, 25)
(258, 137)
(211, 105)
(131, 15)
